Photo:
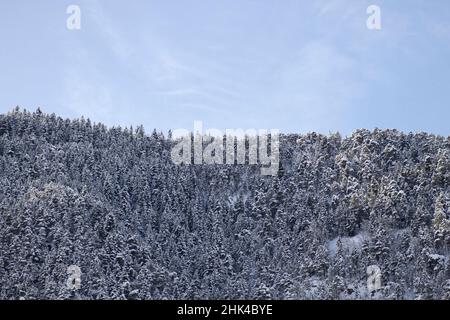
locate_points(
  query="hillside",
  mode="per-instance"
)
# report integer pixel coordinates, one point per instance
(110, 201)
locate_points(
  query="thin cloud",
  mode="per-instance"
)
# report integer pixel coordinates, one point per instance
(86, 98)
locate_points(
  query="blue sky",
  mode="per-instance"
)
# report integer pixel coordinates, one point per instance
(297, 66)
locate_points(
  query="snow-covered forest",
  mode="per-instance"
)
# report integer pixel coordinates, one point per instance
(111, 201)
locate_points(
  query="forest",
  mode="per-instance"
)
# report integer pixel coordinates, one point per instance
(110, 201)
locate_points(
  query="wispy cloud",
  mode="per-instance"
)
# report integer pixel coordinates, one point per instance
(106, 28)
(311, 70)
(87, 97)
(321, 82)
(162, 68)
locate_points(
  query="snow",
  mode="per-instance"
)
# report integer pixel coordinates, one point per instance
(348, 243)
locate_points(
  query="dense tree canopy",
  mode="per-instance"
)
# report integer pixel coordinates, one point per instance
(110, 201)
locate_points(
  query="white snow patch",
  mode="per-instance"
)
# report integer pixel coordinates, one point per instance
(348, 243)
(438, 258)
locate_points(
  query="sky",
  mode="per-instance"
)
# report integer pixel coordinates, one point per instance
(293, 65)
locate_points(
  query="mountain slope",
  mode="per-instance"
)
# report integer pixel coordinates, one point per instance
(110, 201)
